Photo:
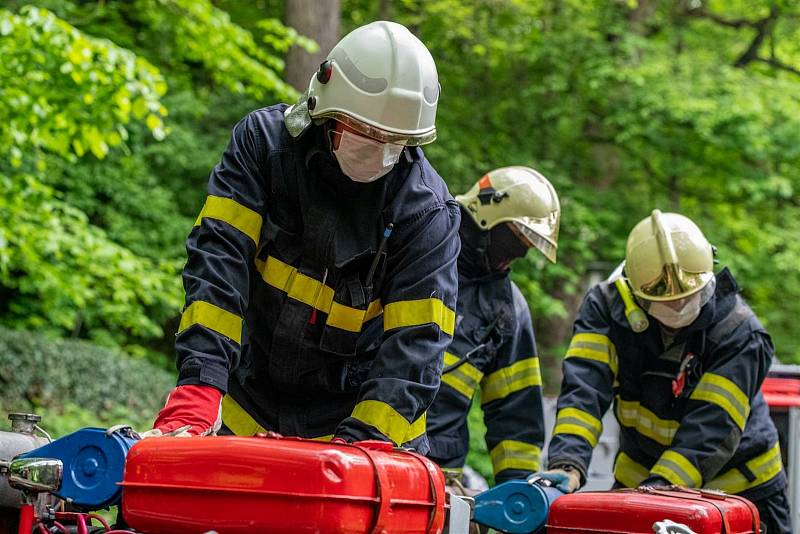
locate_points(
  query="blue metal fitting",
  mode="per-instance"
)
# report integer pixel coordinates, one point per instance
(516, 506)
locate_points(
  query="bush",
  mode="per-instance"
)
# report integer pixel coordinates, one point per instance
(74, 383)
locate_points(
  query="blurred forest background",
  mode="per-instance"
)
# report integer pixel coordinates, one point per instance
(112, 113)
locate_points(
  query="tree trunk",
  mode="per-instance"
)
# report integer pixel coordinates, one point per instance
(319, 20)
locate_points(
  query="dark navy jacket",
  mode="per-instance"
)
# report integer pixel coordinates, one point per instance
(712, 431)
(280, 311)
(493, 327)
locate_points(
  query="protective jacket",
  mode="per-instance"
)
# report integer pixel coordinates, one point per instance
(296, 308)
(494, 339)
(690, 408)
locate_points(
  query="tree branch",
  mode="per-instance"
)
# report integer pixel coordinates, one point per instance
(763, 30)
(778, 64)
(702, 13)
(763, 27)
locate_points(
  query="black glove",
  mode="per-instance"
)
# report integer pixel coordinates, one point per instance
(655, 481)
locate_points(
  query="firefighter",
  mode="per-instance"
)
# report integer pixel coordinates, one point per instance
(508, 211)
(321, 278)
(682, 357)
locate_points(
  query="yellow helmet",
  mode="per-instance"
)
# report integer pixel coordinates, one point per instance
(521, 196)
(667, 258)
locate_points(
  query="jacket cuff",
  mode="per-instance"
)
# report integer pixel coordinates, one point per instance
(204, 373)
(578, 465)
(511, 474)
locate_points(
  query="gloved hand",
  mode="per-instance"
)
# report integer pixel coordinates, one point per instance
(182, 432)
(655, 481)
(564, 478)
(192, 410)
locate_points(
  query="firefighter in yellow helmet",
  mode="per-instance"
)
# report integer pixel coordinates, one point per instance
(682, 357)
(505, 214)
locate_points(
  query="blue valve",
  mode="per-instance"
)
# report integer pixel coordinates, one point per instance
(516, 506)
(93, 462)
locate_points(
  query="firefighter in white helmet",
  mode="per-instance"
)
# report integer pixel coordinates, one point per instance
(681, 356)
(321, 280)
(507, 212)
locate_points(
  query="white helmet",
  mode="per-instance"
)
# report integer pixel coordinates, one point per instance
(380, 80)
(518, 195)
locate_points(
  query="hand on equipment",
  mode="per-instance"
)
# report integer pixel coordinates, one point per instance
(655, 482)
(182, 432)
(193, 410)
(565, 478)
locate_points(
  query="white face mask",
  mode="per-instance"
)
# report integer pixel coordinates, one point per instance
(363, 159)
(684, 312)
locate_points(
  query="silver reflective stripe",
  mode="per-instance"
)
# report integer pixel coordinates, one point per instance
(358, 78)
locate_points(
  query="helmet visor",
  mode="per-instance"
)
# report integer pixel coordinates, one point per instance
(379, 134)
(677, 305)
(538, 234)
(673, 283)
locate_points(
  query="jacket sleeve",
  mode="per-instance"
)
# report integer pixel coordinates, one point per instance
(419, 297)
(590, 368)
(718, 407)
(511, 397)
(221, 248)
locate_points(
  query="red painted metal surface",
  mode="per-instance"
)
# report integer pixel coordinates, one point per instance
(268, 485)
(636, 510)
(781, 392)
(26, 519)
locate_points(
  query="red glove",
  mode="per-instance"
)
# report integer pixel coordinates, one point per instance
(195, 405)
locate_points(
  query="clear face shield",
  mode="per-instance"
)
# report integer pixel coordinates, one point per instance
(298, 117)
(674, 281)
(539, 233)
(681, 312)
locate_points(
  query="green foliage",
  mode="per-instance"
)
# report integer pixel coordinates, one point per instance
(66, 275)
(93, 246)
(478, 455)
(197, 32)
(74, 383)
(68, 93)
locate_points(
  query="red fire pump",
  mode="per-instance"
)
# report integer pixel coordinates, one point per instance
(232, 485)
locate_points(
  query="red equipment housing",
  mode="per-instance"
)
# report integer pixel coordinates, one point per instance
(781, 392)
(279, 485)
(636, 510)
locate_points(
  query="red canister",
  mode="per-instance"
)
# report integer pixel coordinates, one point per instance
(637, 510)
(279, 485)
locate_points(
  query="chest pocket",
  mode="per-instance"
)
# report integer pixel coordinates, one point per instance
(352, 306)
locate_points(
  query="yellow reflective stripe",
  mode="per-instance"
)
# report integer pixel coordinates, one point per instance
(405, 313)
(463, 379)
(228, 210)
(725, 394)
(503, 382)
(388, 421)
(595, 347)
(579, 423)
(237, 419)
(323, 438)
(314, 293)
(676, 468)
(511, 454)
(212, 317)
(764, 467)
(633, 415)
(629, 473)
